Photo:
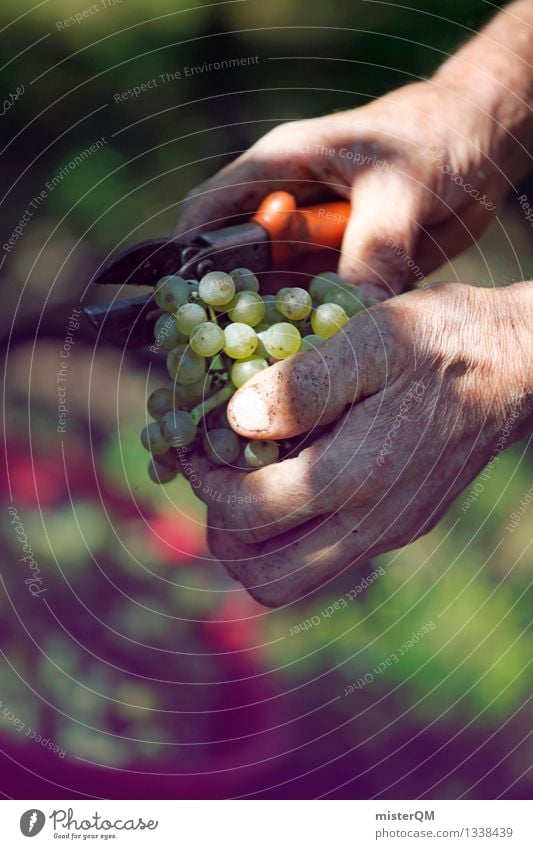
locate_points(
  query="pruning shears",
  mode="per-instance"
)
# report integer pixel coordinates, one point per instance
(279, 232)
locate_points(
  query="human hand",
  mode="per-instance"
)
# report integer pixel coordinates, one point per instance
(430, 384)
(420, 166)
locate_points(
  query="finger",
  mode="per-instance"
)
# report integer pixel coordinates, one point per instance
(381, 235)
(313, 388)
(236, 189)
(239, 188)
(260, 504)
(336, 471)
(288, 567)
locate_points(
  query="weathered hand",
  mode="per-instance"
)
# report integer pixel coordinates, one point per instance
(421, 167)
(428, 382)
(422, 386)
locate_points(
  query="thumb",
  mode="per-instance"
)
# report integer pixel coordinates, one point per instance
(314, 387)
(379, 245)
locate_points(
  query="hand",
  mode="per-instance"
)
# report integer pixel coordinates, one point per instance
(420, 166)
(432, 384)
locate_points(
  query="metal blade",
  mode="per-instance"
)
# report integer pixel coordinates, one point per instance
(143, 264)
(128, 322)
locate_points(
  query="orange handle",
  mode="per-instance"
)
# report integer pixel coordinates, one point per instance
(295, 231)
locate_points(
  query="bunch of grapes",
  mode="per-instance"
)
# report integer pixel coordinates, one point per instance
(219, 333)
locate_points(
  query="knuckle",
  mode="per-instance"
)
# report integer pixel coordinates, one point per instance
(257, 534)
(250, 524)
(228, 548)
(280, 131)
(243, 565)
(270, 592)
(193, 195)
(241, 514)
(280, 137)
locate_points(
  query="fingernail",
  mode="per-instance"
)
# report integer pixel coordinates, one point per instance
(249, 411)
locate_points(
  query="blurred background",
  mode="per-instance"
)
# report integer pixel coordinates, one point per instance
(132, 657)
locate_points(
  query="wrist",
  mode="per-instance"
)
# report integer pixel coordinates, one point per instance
(493, 75)
(510, 335)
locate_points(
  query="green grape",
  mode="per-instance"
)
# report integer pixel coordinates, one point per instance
(190, 316)
(261, 329)
(163, 468)
(272, 314)
(243, 370)
(322, 284)
(281, 340)
(261, 452)
(295, 303)
(217, 288)
(245, 280)
(191, 368)
(328, 319)
(152, 438)
(371, 302)
(160, 402)
(221, 446)
(247, 308)
(178, 428)
(311, 342)
(240, 341)
(207, 339)
(166, 334)
(347, 297)
(173, 358)
(185, 366)
(171, 292)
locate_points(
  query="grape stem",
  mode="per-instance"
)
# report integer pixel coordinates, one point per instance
(213, 402)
